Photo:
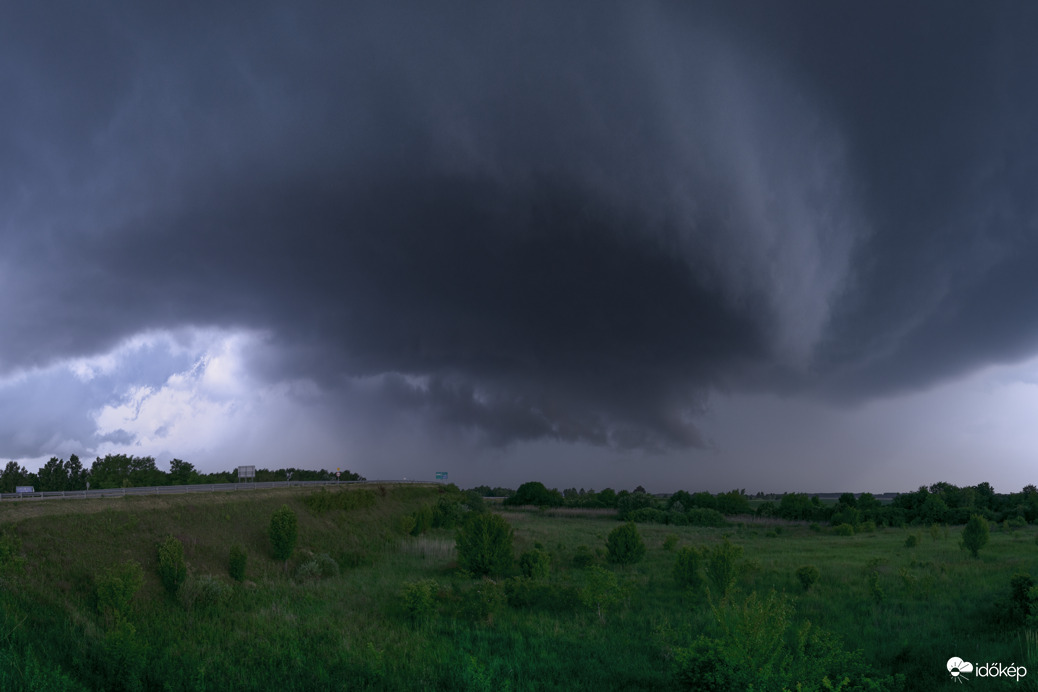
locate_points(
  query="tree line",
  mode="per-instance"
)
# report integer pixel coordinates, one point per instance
(940, 503)
(125, 471)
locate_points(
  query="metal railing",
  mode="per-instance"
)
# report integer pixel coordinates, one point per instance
(181, 489)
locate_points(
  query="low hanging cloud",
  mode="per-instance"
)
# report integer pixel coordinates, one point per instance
(523, 222)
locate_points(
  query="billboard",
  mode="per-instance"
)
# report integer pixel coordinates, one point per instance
(246, 472)
(441, 475)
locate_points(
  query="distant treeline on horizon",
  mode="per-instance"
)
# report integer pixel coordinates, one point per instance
(940, 503)
(125, 471)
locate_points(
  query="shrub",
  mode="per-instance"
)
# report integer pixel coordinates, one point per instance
(423, 520)
(843, 530)
(706, 517)
(647, 515)
(912, 541)
(808, 575)
(526, 593)
(238, 560)
(670, 542)
(484, 600)
(484, 544)
(722, 566)
(760, 647)
(583, 557)
(624, 545)
(975, 535)
(205, 592)
(283, 531)
(172, 569)
(535, 564)
(686, 568)
(116, 587)
(417, 598)
(1020, 585)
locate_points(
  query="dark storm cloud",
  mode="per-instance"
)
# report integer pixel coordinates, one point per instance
(528, 220)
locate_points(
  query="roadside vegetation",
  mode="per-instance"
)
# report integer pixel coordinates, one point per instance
(410, 587)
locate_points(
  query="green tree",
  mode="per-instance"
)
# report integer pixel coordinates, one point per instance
(182, 473)
(283, 530)
(53, 476)
(12, 476)
(534, 493)
(601, 590)
(484, 544)
(624, 544)
(172, 568)
(77, 475)
(975, 535)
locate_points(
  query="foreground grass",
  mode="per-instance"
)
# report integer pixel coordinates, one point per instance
(908, 609)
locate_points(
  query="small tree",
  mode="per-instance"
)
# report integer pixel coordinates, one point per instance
(283, 533)
(601, 591)
(238, 560)
(975, 535)
(172, 568)
(484, 544)
(625, 545)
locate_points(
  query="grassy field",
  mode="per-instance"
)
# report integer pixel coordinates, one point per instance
(347, 625)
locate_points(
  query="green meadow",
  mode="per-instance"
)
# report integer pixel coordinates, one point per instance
(374, 596)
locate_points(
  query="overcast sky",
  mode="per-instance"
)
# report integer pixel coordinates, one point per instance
(773, 246)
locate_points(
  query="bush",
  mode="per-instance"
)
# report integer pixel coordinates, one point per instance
(172, 569)
(205, 592)
(423, 520)
(417, 598)
(526, 593)
(1020, 585)
(624, 545)
(686, 568)
(670, 542)
(843, 530)
(484, 600)
(722, 566)
(808, 575)
(706, 517)
(647, 515)
(912, 541)
(484, 544)
(760, 647)
(238, 560)
(535, 564)
(116, 587)
(583, 557)
(975, 535)
(283, 530)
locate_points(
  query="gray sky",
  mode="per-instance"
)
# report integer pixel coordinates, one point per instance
(773, 246)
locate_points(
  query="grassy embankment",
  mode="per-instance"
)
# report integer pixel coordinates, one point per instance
(908, 609)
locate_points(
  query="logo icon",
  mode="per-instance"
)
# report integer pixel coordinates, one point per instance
(958, 668)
